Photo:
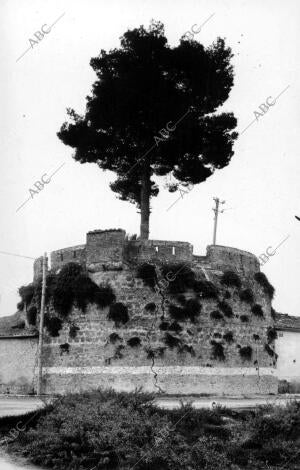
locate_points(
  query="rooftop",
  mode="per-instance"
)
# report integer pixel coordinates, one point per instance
(283, 321)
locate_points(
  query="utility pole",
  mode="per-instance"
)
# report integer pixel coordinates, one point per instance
(40, 347)
(216, 211)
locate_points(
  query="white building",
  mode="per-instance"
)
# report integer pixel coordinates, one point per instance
(287, 347)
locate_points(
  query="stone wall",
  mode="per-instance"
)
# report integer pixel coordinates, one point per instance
(74, 254)
(92, 361)
(18, 364)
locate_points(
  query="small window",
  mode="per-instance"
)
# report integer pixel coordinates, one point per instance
(156, 249)
(173, 250)
(74, 254)
(61, 257)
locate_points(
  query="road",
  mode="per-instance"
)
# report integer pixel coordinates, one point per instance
(18, 405)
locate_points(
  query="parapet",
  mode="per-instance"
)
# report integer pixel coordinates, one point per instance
(74, 254)
(225, 257)
(158, 250)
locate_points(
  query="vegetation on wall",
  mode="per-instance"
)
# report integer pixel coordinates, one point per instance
(150, 307)
(73, 331)
(216, 315)
(246, 352)
(217, 350)
(114, 337)
(171, 341)
(118, 312)
(263, 281)
(190, 311)
(244, 318)
(64, 348)
(247, 296)
(228, 337)
(271, 334)
(147, 273)
(257, 310)
(134, 342)
(32, 315)
(53, 325)
(226, 309)
(231, 279)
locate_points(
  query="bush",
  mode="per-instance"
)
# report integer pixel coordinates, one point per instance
(65, 347)
(186, 348)
(32, 315)
(262, 280)
(73, 331)
(269, 350)
(207, 289)
(53, 325)
(171, 340)
(26, 293)
(175, 327)
(181, 276)
(271, 334)
(134, 342)
(104, 296)
(227, 295)
(147, 273)
(231, 279)
(150, 307)
(257, 310)
(244, 318)
(114, 337)
(118, 312)
(256, 337)
(216, 315)
(226, 309)
(246, 352)
(164, 325)
(217, 350)
(228, 337)
(247, 296)
(20, 305)
(190, 310)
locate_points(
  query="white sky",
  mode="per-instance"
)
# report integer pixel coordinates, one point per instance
(260, 186)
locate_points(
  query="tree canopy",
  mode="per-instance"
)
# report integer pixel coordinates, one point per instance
(153, 111)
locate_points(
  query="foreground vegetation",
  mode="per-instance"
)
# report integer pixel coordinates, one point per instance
(109, 430)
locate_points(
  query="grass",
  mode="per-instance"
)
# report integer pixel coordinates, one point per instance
(109, 430)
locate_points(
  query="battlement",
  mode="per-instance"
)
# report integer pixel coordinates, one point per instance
(111, 250)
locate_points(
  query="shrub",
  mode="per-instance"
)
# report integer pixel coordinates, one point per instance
(73, 331)
(226, 309)
(171, 340)
(181, 299)
(175, 327)
(134, 342)
(257, 310)
(84, 290)
(217, 335)
(147, 273)
(262, 280)
(186, 348)
(271, 334)
(244, 318)
(118, 312)
(113, 338)
(247, 296)
(104, 296)
(178, 313)
(181, 276)
(231, 279)
(118, 352)
(20, 305)
(217, 350)
(65, 347)
(26, 293)
(63, 293)
(192, 309)
(246, 352)
(53, 325)
(153, 353)
(228, 337)
(207, 289)
(256, 337)
(164, 325)
(269, 350)
(150, 307)
(32, 315)
(227, 295)
(216, 315)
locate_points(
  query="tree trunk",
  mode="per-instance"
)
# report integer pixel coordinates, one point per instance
(145, 204)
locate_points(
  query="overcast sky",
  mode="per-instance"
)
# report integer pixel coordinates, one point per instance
(260, 186)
